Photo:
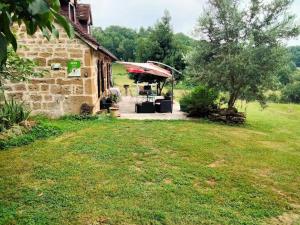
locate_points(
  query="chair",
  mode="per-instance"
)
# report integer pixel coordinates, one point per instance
(145, 107)
(105, 103)
(163, 106)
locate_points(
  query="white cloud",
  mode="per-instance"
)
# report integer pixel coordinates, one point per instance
(137, 13)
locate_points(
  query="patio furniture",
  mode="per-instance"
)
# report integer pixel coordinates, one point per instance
(105, 103)
(114, 112)
(152, 72)
(145, 107)
(163, 106)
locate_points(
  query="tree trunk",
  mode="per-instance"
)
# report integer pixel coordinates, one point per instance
(232, 100)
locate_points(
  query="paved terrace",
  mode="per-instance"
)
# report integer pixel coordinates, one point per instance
(127, 111)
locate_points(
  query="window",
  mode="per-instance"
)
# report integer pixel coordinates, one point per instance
(72, 12)
(109, 83)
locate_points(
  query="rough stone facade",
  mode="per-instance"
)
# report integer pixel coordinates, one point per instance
(56, 94)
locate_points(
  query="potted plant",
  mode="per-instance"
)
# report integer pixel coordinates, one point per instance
(168, 95)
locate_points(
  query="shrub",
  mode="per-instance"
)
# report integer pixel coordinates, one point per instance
(168, 95)
(273, 96)
(200, 102)
(86, 109)
(291, 93)
(12, 113)
(80, 117)
(115, 97)
(38, 132)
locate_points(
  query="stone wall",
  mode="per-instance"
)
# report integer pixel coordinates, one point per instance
(56, 94)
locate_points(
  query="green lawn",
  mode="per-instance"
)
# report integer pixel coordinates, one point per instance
(158, 172)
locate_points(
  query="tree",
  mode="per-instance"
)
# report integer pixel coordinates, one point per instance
(162, 35)
(161, 45)
(291, 92)
(184, 42)
(295, 51)
(120, 41)
(145, 49)
(157, 43)
(17, 68)
(35, 14)
(240, 51)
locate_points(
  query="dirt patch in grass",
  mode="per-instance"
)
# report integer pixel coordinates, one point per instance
(211, 182)
(168, 181)
(86, 220)
(148, 183)
(265, 172)
(137, 169)
(217, 163)
(139, 163)
(285, 219)
(273, 144)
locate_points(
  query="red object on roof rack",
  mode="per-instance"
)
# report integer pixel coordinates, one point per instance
(134, 70)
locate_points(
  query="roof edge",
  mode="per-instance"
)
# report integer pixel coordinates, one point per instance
(88, 38)
(104, 50)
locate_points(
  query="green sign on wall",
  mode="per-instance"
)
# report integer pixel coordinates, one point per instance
(74, 68)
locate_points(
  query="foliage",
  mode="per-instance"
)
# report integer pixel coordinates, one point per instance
(115, 97)
(241, 51)
(162, 38)
(274, 96)
(17, 68)
(158, 43)
(185, 42)
(161, 46)
(35, 14)
(40, 131)
(12, 113)
(285, 74)
(295, 51)
(120, 41)
(168, 95)
(84, 117)
(291, 93)
(200, 101)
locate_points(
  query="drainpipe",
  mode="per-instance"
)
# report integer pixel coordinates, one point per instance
(173, 79)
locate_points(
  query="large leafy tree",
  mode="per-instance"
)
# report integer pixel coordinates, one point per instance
(35, 14)
(241, 50)
(17, 68)
(162, 45)
(119, 40)
(295, 51)
(162, 35)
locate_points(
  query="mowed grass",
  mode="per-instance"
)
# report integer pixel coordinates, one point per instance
(158, 172)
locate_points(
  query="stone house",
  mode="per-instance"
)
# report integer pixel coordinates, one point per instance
(78, 69)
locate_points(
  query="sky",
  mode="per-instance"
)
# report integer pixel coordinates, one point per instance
(137, 13)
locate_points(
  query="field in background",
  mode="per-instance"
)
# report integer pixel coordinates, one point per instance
(158, 172)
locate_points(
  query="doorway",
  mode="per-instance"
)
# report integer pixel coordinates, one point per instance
(100, 78)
